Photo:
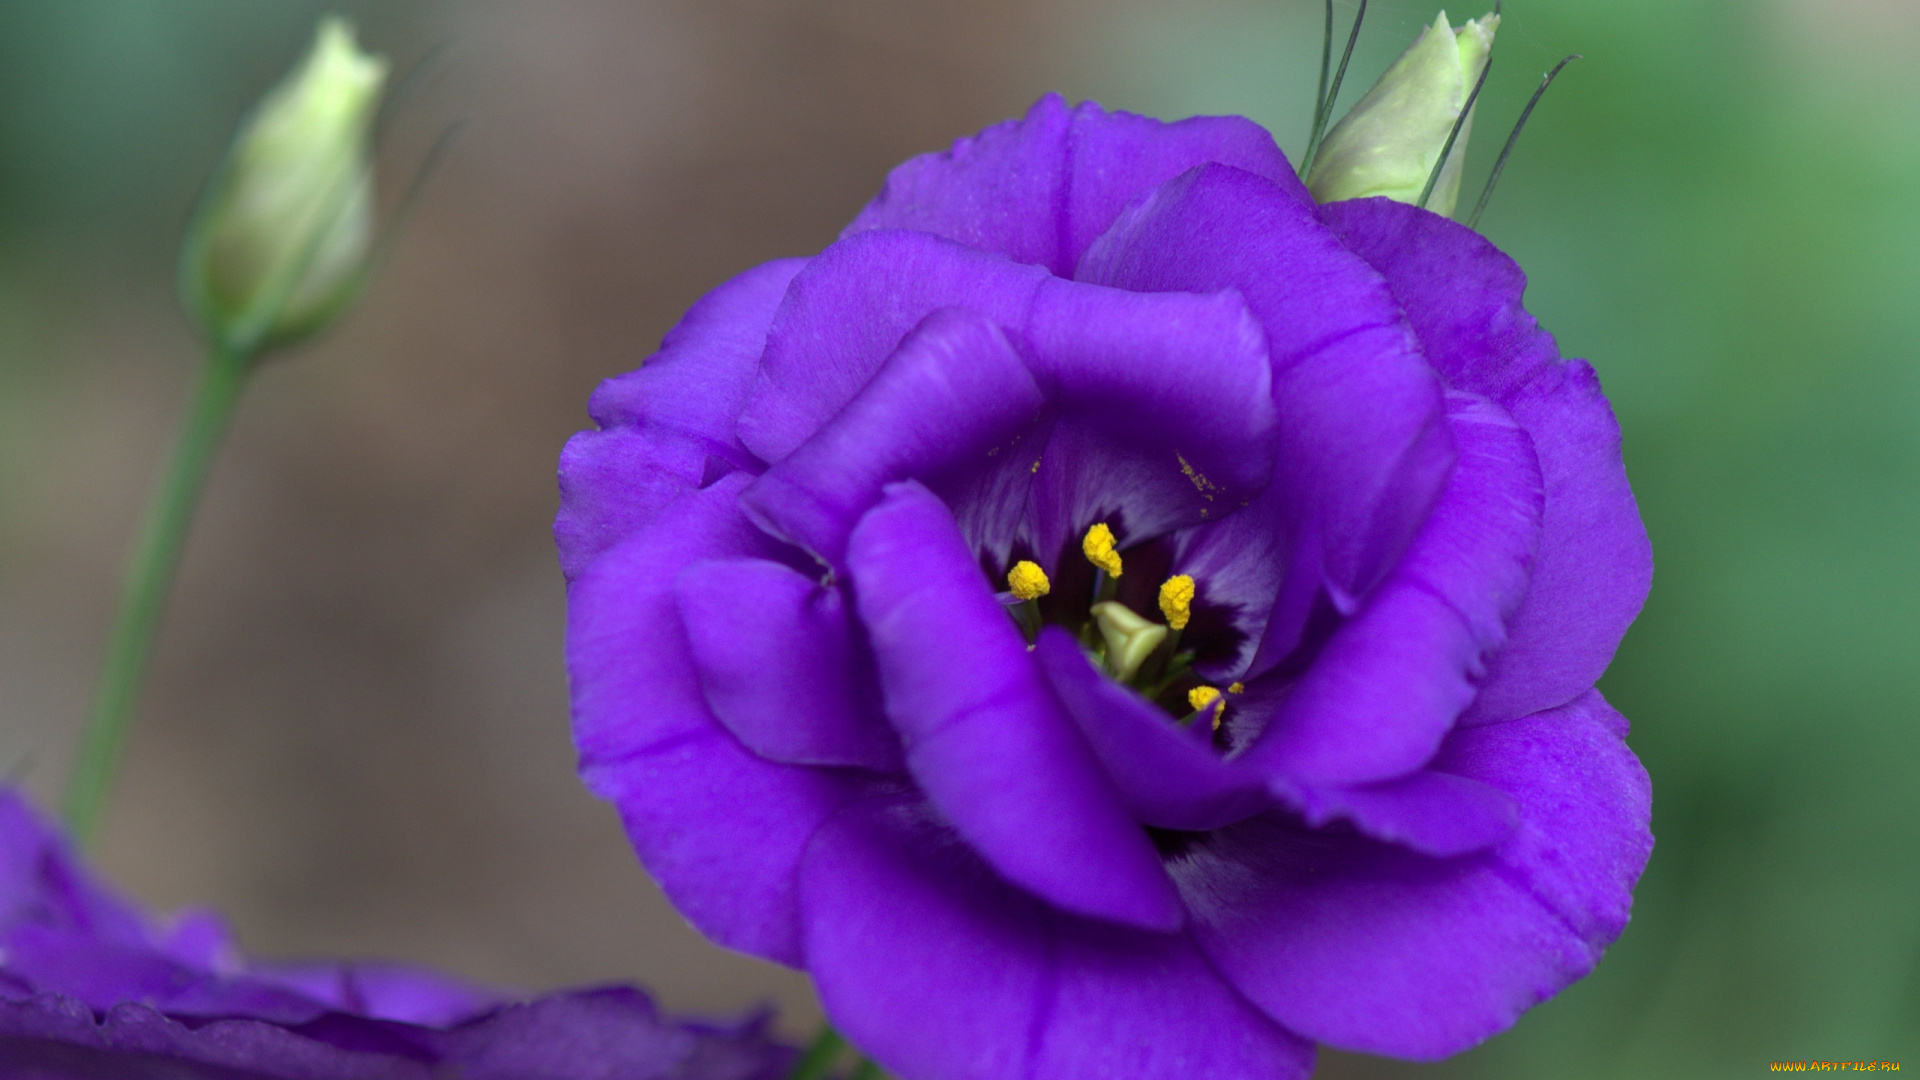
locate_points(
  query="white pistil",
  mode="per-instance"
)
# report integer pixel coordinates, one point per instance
(1130, 638)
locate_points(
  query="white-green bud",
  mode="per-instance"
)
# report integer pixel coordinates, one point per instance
(281, 242)
(1388, 143)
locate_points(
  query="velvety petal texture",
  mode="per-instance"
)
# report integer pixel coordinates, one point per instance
(1106, 615)
(92, 988)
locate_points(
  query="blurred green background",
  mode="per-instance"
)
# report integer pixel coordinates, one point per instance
(354, 740)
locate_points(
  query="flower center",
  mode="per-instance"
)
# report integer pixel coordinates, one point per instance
(1131, 648)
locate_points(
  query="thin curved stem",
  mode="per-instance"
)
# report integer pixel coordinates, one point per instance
(1320, 95)
(156, 556)
(1513, 137)
(1460, 121)
(1332, 95)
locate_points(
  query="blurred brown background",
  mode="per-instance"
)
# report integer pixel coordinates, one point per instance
(354, 740)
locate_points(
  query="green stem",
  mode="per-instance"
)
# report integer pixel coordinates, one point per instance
(868, 1069)
(820, 1056)
(149, 578)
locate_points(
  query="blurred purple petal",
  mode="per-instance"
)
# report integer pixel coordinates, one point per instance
(119, 1000)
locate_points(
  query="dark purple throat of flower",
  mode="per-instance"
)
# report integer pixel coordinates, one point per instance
(1112, 617)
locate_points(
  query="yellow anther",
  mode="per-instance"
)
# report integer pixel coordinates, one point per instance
(1028, 581)
(1237, 688)
(1176, 600)
(1200, 697)
(1100, 550)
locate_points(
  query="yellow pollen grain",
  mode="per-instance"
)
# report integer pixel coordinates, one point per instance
(1176, 600)
(1100, 550)
(1237, 688)
(1028, 581)
(1201, 697)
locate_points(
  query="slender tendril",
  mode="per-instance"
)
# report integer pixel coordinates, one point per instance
(1324, 114)
(819, 1055)
(156, 557)
(1446, 151)
(409, 200)
(1500, 164)
(1326, 70)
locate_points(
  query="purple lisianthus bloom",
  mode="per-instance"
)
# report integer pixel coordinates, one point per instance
(92, 989)
(1107, 615)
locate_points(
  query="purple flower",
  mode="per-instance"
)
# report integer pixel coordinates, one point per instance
(91, 988)
(1357, 788)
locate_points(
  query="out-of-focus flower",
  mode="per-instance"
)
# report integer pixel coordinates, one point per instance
(1004, 841)
(90, 987)
(280, 245)
(1388, 143)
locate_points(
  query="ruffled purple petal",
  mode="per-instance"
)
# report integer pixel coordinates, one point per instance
(931, 963)
(1434, 813)
(1039, 189)
(1166, 414)
(1370, 946)
(1168, 777)
(781, 666)
(940, 410)
(1364, 446)
(848, 311)
(984, 736)
(1595, 563)
(1463, 298)
(1461, 295)
(43, 884)
(721, 828)
(1159, 406)
(1390, 682)
(667, 427)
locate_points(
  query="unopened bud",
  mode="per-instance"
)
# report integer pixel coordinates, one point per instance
(281, 243)
(1389, 143)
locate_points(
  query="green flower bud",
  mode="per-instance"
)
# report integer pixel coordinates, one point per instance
(1388, 144)
(280, 244)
